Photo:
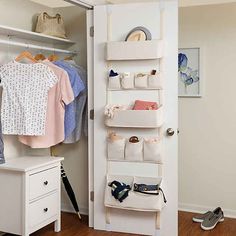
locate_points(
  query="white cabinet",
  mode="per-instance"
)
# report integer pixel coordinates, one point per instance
(30, 194)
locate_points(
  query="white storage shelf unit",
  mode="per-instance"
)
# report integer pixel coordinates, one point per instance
(140, 50)
(136, 119)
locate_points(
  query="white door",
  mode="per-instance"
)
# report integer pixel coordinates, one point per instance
(112, 23)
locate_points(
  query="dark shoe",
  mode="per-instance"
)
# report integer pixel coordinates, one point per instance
(213, 219)
(201, 217)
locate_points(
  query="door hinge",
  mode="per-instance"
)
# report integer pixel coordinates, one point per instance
(92, 31)
(92, 196)
(91, 114)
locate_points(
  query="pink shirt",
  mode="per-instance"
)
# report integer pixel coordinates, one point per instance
(58, 96)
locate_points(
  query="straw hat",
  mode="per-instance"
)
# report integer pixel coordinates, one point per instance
(139, 34)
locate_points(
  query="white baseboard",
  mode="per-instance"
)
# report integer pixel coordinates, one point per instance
(201, 209)
(70, 209)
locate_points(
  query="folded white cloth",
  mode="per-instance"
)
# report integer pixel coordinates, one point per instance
(111, 109)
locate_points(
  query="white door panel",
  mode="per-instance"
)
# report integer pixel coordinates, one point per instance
(122, 19)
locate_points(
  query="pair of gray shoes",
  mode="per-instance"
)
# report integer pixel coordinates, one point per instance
(210, 219)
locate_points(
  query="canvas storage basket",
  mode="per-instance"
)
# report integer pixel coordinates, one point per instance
(134, 151)
(134, 201)
(51, 25)
(116, 149)
(153, 151)
(114, 82)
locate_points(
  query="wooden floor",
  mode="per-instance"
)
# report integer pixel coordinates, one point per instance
(73, 227)
(189, 228)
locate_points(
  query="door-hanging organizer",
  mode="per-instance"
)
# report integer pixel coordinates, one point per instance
(120, 190)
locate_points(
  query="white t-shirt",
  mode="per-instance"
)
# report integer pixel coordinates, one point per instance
(24, 98)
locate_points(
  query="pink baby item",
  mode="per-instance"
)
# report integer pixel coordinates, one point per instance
(144, 105)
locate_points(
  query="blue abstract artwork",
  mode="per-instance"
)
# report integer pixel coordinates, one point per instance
(188, 70)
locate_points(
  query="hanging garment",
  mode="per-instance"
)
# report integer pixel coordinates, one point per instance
(25, 95)
(77, 87)
(2, 159)
(81, 114)
(59, 95)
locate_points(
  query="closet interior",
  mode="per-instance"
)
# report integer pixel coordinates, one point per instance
(17, 35)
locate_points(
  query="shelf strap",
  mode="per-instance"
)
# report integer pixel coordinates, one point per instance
(108, 220)
(158, 220)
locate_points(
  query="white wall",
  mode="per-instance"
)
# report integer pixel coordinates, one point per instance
(187, 3)
(207, 142)
(75, 155)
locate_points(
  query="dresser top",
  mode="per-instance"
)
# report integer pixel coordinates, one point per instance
(25, 164)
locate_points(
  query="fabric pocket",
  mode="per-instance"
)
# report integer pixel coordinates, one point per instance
(152, 151)
(134, 151)
(127, 81)
(116, 149)
(114, 82)
(141, 80)
(154, 81)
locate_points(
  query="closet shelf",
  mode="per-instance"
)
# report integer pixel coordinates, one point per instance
(29, 35)
(140, 50)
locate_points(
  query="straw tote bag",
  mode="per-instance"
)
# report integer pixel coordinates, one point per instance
(51, 25)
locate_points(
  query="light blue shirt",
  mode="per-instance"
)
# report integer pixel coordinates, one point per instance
(77, 87)
(81, 114)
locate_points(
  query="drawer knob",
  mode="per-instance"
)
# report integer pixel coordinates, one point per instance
(45, 209)
(46, 183)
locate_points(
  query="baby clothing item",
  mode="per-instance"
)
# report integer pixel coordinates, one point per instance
(81, 114)
(119, 191)
(59, 95)
(24, 98)
(144, 105)
(77, 87)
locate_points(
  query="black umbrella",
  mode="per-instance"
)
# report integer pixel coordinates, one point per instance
(69, 190)
(68, 187)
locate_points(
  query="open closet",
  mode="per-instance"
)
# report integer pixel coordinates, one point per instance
(143, 71)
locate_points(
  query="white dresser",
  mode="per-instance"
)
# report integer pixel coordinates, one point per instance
(30, 194)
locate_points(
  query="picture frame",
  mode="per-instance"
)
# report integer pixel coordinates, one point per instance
(190, 76)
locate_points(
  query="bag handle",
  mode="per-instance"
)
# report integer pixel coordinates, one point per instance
(57, 16)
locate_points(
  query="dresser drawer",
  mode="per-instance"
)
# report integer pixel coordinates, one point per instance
(43, 182)
(43, 209)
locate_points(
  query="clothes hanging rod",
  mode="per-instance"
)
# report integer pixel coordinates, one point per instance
(33, 46)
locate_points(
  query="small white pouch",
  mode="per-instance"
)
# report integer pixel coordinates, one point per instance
(114, 82)
(115, 147)
(127, 80)
(140, 80)
(153, 150)
(154, 81)
(134, 151)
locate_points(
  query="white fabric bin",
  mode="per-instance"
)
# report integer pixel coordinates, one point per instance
(136, 118)
(140, 81)
(155, 81)
(153, 151)
(114, 82)
(135, 50)
(127, 81)
(134, 151)
(135, 201)
(116, 149)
